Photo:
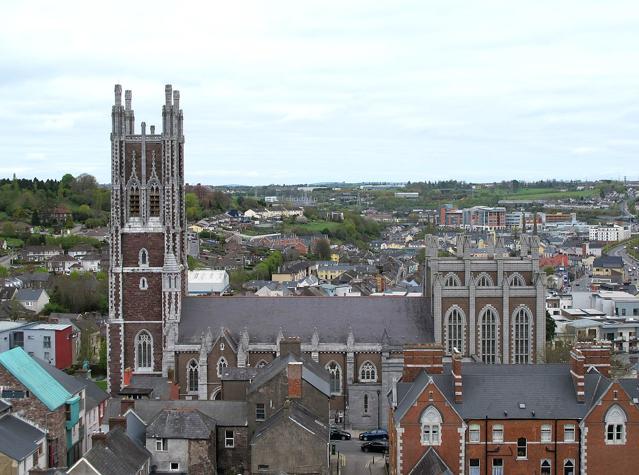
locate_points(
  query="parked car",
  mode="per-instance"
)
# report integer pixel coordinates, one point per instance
(375, 446)
(339, 434)
(376, 434)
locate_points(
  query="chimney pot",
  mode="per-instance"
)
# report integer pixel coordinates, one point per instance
(294, 374)
(117, 422)
(457, 375)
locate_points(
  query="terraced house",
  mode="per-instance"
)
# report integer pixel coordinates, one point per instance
(506, 419)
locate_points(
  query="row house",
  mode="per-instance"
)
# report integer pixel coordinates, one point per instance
(23, 445)
(501, 419)
(40, 253)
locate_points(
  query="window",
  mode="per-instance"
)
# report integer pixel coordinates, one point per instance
(143, 258)
(262, 468)
(498, 467)
(452, 280)
(154, 201)
(431, 422)
(545, 467)
(569, 433)
(335, 376)
(498, 434)
(474, 467)
(365, 403)
(521, 340)
(175, 466)
(193, 376)
(522, 448)
(454, 330)
(144, 351)
(569, 467)
(615, 426)
(368, 373)
(473, 433)
(229, 439)
(546, 433)
(484, 280)
(134, 201)
(47, 355)
(161, 445)
(260, 412)
(488, 328)
(144, 284)
(221, 364)
(46, 342)
(516, 280)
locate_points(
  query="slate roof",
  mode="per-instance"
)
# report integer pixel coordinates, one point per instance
(25, 295)
(34, 376)
(297, 413)
(18, 439)
(224, 413)
(94, 394)
(403, 319)
(154, 386)
(68, 382)
(181, 424)
(312, 373)
(117, 454)
(608, 262)
(430, 464)
(496, 391)
(239, 374)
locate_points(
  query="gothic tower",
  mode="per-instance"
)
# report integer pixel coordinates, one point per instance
(147, 239)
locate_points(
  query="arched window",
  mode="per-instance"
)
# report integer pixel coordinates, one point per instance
(261, 364)
(431, 422)
(484, 280)
(143, 258)
(216, 394)
(452, 280)
(368, 373)
(134, 201)
(365, 403)
(154, 201)
(489, 326)
(545, 467)
(569, 467)
(516, 280)
(521, 336)
(221, 364)
(144, 351)
(615, 426)
(454, 330)
(335, 376)
(193, 369)
(144, 284)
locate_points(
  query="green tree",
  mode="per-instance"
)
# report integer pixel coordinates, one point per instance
(323, 249)
(551, 327)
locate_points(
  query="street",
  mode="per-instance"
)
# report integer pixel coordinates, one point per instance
(356, 461)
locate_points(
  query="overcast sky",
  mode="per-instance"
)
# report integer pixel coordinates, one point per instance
(304, 91)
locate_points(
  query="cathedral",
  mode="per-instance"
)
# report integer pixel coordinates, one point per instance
(491, 309)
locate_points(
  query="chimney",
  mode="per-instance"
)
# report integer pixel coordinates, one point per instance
(126, 380)
(457, 375)
(117, 422)
(294, 373)
(174, 390)
(97, 436)
(125, 405)
(427, 357)
(291, 345)
(597, 355)
(577, 372)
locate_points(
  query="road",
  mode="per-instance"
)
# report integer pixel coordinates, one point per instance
(628, 260)
(358, 462)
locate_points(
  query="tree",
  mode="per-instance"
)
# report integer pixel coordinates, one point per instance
(35, 218)
(551, 327)
(323, 249)
(549, 270)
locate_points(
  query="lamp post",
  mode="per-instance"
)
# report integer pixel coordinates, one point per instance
(379, 408)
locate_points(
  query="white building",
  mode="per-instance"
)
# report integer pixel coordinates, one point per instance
(609, 233)
(208, 282)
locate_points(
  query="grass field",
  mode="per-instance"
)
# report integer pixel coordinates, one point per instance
(314, 226)
(102, 384)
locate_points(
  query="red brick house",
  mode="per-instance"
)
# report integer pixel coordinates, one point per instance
(512, 419)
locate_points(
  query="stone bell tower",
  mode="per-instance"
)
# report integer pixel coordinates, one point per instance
(147, 239)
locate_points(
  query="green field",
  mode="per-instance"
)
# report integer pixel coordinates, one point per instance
(312, 227)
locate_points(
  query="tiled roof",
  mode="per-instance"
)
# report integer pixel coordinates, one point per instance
(28, 294)
(224, 413)
(312, 373)
(31, 374)
(430, 464)
(298, 414)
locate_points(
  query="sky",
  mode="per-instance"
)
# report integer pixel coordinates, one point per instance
(313, 91)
